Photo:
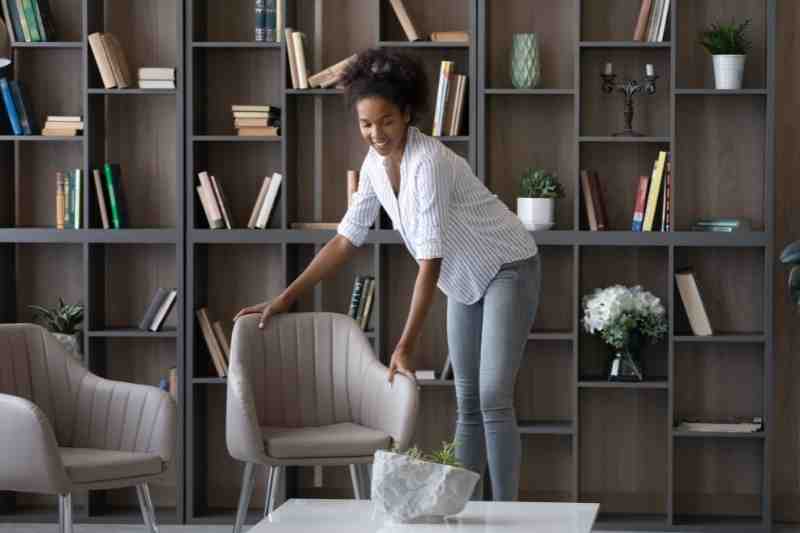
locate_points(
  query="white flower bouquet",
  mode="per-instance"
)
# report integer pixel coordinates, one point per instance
(623, 316)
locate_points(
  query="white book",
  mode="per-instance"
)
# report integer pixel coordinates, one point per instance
(693, 304)
(292, 59)
(662, 26)
(298, 39)
(210, 197)
(269, 201)
(220, 198)
(652, 21)
(163, 310)
(157, 73)
(280, 20)
(64, 118)
(425, 374)
(259, 202)
(153, 84)
(78, 194)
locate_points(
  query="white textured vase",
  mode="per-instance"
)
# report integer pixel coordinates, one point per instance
(412, 491)
(71, 343)
(729, 71)
(536, 213)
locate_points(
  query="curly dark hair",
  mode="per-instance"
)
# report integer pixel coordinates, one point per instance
(397, 77)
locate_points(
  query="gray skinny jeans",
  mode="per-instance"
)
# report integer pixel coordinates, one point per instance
(486, 342)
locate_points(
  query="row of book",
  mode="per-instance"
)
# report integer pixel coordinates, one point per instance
(652, 22)
(270, 20)
(17, 109)
(29, 21)
(110, 59)
(722, 425)
(410, 28)
(217, 208)
(69, 192)
(159, 308)
(256, 120)
(361, 300)
(450, 97)
(169, 382)
(68, 199)
(216, 341)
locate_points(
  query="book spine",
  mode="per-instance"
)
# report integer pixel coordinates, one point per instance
(641, 23)
(368, 305)
(290, 53)
(668, 201)
(588, 202)
(39, 22)
(599, 202)
(261, 20)
(270, 21)
(300, 59)
(11, 24)
(22, 22)
(60, 200)
(78, 193)
(641, 197)
(19, 105)
(269, 201)
(112, 196)
(47, 20)
(67, 199)
(450, 36)
(405, 21)
(663, 22)
(441, 98)
(30, 19)
(151, 310)
(280, 20)
(355, 297)
(8, 100)
(101, 200)
(103, 60)
(164, 310)
(655, 190)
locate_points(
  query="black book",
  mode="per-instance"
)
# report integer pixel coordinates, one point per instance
(47, 20)
(152, 309)
(355, 298)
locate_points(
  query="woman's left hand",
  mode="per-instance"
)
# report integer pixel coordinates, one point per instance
(402, 362)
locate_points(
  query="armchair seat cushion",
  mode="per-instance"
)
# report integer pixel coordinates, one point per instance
(88, 465)
(335, 440)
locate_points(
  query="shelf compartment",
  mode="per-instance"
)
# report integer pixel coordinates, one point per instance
(556, 311)
(547, 468)
(555, 27)
(233, 21)
(623, 450)
(551, 147)
(39, 71)
(603, 114)
(613, 21)
(427, 17)
(545, 382)
(721, 155)
(708, 491)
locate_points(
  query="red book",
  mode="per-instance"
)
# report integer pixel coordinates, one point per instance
(641, 199)
(599, 202)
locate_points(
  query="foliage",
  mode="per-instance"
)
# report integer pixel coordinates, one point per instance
(60, 319)
(791, 256)
(445, 456)
(720, 39)
(538, 183)
(622, 315)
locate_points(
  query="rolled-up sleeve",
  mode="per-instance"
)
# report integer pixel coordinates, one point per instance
(361, 214)
(433, 179)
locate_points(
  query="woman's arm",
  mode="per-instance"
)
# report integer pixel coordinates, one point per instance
(424, 288)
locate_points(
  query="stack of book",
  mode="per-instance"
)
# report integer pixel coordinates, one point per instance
(593, 200)
(160, 305)
(652, 22)
(257, 120)
(216, 341)
(361, 300)
(111, 61)
(62, 126)
(722, 225)
(450, 98)
(693, 302)
(110, 201)
(270, 19)
(68, 199)
(169, 383)
(156, 78)
(29, 21)
(722, 425)
(16, 107)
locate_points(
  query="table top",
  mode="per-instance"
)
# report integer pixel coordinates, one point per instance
(360, 516)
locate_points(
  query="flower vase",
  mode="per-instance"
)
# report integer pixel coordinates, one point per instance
(525, 61)
(626, 364)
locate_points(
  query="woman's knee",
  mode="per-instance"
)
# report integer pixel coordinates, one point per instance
(496, 402)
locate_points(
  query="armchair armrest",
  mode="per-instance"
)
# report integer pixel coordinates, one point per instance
(389, 407)
(31, 461)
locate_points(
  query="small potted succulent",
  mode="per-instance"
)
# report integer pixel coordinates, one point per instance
(728, 45)
(538, 191)
(62, 321)
(411, 487)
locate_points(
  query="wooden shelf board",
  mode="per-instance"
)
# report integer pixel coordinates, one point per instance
(682, 434)
(530, 92)
(623, 44)
(133, 91)
(314, 92)
(546, 427)
(50, 44)
(631, 140)
(423, 44)
(236, 138)
(599, 384)
(235, 44)
(719, 92)
(749, 338)
(42, 138)
(133, 333)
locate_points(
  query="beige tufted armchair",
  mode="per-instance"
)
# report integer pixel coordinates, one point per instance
(64, 429)
(308, 390)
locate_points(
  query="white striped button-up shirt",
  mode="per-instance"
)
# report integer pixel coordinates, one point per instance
(441, 210)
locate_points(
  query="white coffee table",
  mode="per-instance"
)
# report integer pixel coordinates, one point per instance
(358, 516)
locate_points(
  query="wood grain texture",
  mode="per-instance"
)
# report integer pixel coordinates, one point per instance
(8, 197)
(554, 24)
(555, 312)
(45, 273)
(623, 450)
(147, 31)
(540, 131)
(232, 20)
(546, 468)
(720, 159)
(610, 20)
(544, 387)
(427, 17)
(695, 67)
(41, 72)
(67, 17)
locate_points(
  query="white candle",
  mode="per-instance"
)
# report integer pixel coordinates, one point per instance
(650, 70)
(609, 69)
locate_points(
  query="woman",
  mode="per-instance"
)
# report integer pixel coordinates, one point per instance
(465, 241)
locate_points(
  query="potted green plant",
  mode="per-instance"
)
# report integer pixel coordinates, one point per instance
(791, 256)
(412, 487)
(63, 322)
(538, 192)
(728, 46)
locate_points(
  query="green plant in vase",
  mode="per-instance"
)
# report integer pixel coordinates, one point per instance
(728, 45)
(538, 192)
(624, 317)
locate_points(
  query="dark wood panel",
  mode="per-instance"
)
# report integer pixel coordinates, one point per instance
(545, 383)
(610, 20)
(67, 19)
(603, 114)
(232, 20)
(556, 308)
(45, 273)
(8, 197)
(619, 166)
(51, 81)
(720, 159)
(36, 182)
(531, 132)
(554, 24)
(695, 66)
(428, 16)
(147, 31)
(546, 473)
(731, 283)
(623, 450)
(710, 381)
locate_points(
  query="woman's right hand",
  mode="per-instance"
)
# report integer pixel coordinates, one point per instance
(265, 309)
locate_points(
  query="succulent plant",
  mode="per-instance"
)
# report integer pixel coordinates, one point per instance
(61, 319)
(445, 456)
(538, 183)
(726, 39)
(791, 256)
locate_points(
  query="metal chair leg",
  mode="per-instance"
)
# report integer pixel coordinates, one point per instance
(270, 475)
(355, 477)
(65, 513)
(276, 478)
(248, 480)
(366, 480)
(148, 511)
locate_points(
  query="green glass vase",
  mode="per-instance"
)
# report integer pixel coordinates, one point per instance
(525, 61)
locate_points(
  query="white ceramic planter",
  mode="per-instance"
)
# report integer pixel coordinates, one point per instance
(537, 213)
(71, 344)
(407, 490)
(729, 71)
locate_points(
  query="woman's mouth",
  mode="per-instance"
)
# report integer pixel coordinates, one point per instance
(382, 144)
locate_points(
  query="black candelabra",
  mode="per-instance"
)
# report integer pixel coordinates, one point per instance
(629, 88)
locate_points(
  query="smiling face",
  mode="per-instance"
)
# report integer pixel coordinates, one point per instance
(383, 125)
